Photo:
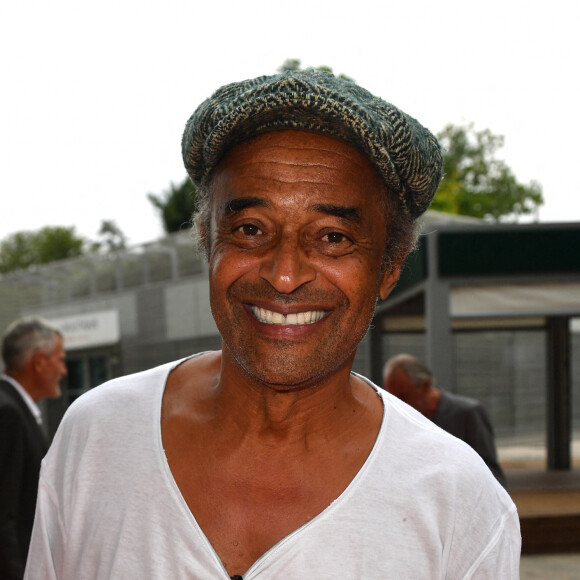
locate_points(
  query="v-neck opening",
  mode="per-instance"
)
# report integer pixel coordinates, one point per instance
(172, 486)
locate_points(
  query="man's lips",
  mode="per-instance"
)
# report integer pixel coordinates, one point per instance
(293, 319)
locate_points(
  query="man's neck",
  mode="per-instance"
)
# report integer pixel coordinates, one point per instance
(290, 451)
(212, 393)
(281, 411)
(433, 402)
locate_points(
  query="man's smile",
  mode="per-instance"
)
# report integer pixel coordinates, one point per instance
(271, 317)
(297, 241)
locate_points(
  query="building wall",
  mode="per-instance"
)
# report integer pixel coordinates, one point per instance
(505, 370)
(161, 296)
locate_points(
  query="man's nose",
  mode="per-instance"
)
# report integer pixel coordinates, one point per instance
(287, 266)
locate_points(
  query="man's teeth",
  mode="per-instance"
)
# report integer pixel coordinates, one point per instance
(270, 317)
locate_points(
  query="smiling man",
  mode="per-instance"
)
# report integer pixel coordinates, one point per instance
(270, 458)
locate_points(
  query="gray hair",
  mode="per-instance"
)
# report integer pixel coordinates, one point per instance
(24, 337)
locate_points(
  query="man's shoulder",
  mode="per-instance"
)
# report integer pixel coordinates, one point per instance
(7, 391)
(121, 394)
(435, 437)
(11, 411)
(458, 402)
(413, 444)
(465, 418)
(409, 437)
(412, 428)
(4, 386)
(112, 411)
(10, 399)
(123, 389)
(15, 416)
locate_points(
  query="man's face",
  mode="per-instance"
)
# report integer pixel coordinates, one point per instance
(398, 383)
(295, 249)
(52, 370)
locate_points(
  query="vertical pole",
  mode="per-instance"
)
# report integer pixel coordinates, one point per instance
(559, 408)
(438, 337)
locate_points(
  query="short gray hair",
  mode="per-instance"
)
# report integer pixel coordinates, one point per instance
(24, 337)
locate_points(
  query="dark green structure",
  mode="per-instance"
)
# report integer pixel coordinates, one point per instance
(492, 277)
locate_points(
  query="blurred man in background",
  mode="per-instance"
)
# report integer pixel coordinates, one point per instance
(33, 355)
(407, 378)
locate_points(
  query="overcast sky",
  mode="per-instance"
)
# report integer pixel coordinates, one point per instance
(95, 95)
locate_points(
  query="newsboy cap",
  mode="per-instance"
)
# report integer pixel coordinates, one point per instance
(406, 155)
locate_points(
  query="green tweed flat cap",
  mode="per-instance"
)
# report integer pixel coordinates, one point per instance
(406, 155)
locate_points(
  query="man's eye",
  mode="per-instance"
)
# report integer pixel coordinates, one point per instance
(334, 238)
(250, 230)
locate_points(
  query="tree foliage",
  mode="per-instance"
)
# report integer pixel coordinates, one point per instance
(294, 64)
(289, 64)
(477, 184)
(23, 249)
(112, 238)
(175, 205)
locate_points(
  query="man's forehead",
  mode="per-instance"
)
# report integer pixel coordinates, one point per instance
(294, 146)
(291, 161)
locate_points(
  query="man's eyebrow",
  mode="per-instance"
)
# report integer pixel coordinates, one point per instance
(350, 214)
(241, 203)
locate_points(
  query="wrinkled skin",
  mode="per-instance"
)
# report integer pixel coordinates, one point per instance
(297, 227)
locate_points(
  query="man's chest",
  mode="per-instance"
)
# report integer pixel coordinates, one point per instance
(245, 512)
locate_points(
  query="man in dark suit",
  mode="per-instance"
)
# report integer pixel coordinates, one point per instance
(33, 356)
(407, 378)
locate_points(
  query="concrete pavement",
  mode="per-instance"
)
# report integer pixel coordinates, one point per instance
(539, 493)
(550, 567)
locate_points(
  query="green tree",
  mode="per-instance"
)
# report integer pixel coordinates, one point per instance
(23, 249)
(294, 64)
(477, 184)
(289, 64)
(112, 238)
(175, 205)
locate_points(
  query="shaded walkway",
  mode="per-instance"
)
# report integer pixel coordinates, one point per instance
(548, 501)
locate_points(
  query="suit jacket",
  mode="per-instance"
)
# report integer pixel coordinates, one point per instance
(468, 420)
(22, 447)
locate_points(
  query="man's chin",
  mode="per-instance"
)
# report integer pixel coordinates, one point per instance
(286, 374)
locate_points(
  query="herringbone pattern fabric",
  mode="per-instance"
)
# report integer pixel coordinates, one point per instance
(406, 154)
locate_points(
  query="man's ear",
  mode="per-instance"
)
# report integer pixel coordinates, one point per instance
(38, 360)
(390, 278)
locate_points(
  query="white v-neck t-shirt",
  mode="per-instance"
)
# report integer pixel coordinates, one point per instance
(424, 505)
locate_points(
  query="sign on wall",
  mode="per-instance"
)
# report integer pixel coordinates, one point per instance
(89, 330)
